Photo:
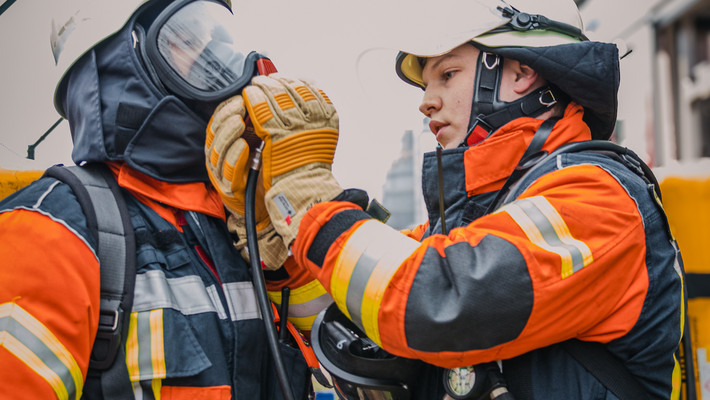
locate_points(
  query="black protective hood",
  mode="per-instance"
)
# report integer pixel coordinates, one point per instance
(586, 71)
(116, 113)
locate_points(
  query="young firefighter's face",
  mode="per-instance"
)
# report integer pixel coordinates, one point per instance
(447, 98)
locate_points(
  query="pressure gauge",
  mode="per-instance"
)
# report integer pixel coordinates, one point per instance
(462, 383)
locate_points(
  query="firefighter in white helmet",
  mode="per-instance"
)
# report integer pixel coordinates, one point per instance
(137, 81)
(546, 248)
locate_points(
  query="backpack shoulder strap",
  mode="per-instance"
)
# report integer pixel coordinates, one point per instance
(107, 216)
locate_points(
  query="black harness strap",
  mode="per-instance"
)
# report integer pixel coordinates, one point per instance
(608, 370)
(531, 156)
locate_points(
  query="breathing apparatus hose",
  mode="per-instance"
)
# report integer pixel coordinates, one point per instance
(258, 276)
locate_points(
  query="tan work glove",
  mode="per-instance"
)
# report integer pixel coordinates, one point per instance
(228, 160)
(299, 127)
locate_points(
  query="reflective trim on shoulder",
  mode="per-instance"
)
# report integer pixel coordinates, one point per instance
(544, 226)
(45, 194)
(364, 268)
(190, 296)
(35, 345)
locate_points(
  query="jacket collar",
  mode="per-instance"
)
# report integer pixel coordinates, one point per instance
(488, 164)
(160, 195)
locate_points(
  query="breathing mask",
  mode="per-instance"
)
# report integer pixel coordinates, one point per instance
(191, 49)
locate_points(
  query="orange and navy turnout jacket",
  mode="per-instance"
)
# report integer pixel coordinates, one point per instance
(195, 328)
(581, 251)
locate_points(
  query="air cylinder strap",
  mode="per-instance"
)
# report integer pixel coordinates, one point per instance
(108, 220)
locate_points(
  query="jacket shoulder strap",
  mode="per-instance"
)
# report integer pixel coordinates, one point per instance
(107, 216)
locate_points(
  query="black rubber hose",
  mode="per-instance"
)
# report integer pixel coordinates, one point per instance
(260, 284)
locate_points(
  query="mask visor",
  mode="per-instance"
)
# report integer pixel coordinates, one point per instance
(204, 59)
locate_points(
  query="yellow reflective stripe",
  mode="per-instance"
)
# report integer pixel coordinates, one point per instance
(156, 385)
(134, 372)
(676, 379)
(35, 345)
(305, 301)
(372, 255)
(343, 269)
(300, 295)
(402, 248)
(676, 267)
(157, 347)
(303, 323)
(35, 363)
(544, 226)
(145, 351)
(561, 228)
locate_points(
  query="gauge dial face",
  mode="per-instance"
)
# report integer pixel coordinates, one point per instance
(459, 382)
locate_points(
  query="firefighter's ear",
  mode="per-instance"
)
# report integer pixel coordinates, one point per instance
(518, 80)
(525, 78)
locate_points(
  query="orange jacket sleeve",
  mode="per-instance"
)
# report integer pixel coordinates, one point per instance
(49, 300)
(519, 279)
(417, 233)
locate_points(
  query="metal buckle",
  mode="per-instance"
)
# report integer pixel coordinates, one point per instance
(548, 103)
(111, 326)
(485, 60)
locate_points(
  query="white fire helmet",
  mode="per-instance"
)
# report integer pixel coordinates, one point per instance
(491, 23)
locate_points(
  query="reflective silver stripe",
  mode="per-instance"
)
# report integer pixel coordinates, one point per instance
(544, 227)
(145, 348)
(145, 361)
(305, 301)
(189, 296)
(185, 294)
(361, 275)
(241, 300)
(214, 296)
(365, 266)
(45, 194)
(32, 343)
(310, 308)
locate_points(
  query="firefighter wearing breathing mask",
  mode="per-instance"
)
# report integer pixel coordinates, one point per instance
(138, 81)
(538, 262)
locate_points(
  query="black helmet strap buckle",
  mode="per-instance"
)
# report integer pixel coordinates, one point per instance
(488, 112)
(522, 21)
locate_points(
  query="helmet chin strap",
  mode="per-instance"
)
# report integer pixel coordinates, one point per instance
(488, 112)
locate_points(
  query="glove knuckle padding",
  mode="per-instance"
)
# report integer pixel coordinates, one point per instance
(299, 127)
